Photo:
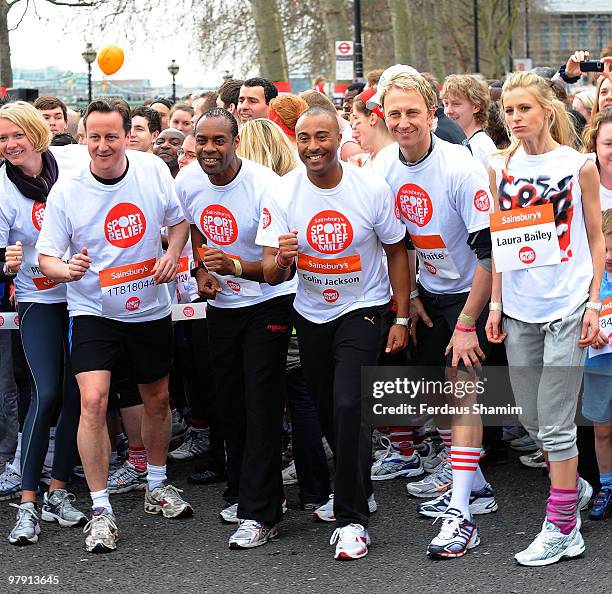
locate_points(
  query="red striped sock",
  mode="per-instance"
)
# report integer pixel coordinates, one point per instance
(137, 456)
(446, 435)
(464, 464)
(402, 439)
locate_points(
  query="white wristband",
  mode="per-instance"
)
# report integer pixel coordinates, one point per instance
(593, 305)
(414, 294)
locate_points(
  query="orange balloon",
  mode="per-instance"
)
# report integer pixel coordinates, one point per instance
(110, 59)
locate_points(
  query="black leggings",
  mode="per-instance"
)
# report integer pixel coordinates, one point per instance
(44, 332)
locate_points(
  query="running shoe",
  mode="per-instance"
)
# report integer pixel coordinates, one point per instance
(393, 464)
(251, 534)
(535, 460)
(456, 537)
(229, 515)
(435, 460)
(179, 430)
(550, 546)
(325, 513)
(26, 529)
(481, 502)
(167, 501)
(126, 478)
(585, 492)
(600, 504)
(45, 476)
(196, 444)
(57, 507)
(351, 542)
(10, 483)
(101, 532)
(290, 475)
(524, 444)
(434, 484)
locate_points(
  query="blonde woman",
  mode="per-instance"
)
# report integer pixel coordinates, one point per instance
(583, 103)
(29, 172)
(597, 138)
(263, 141)
(549, 292)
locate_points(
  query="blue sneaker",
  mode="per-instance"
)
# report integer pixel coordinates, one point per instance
(600, 504)
(393, 465)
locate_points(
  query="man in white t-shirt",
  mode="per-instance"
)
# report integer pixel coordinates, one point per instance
(328, 224)
(109, 215)
(443, 199)
(248, 321)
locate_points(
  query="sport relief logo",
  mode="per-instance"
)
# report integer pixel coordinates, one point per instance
(125, 225)
(331, 295)
(430, 267)
(38, 214)
(481, 201)
(415, 204)
(527, 255)
(132, 304)
(219, 224)
(188, 311)
(329, 232)
(234, 286)
(266, 218)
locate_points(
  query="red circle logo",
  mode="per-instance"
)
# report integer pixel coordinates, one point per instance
(17, 321)
(219, 224)
(330, 295)
(329, 232)
(132, 304)
(188, 311)
(125, 225)
(234, 286)
(415, 204)
(266, 218)
(481, 201)
(38, 214)
(527, 255)
(1, 320)
(430, 268)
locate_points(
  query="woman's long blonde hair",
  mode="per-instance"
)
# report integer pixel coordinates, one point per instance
(560, 125)
(264, 142)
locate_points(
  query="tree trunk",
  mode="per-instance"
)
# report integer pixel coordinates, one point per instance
(270, 42)
(402, 29)
(336, 27)
(6, 71)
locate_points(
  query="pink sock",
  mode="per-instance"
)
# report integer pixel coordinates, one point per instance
(561, 508)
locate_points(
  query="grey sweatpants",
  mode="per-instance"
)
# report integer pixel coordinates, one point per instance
(9, 417)
(546, 368)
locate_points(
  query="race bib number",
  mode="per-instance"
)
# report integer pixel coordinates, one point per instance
(434, 256)
(129, 289)
(331, 281)
(524, 238)
(605, 325)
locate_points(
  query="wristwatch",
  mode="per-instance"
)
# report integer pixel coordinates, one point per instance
(196, 266)
(402, 322)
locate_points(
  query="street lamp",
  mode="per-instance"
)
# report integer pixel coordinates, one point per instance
(173, 70)
(89, 55)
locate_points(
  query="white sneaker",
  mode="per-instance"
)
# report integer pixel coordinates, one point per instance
(290, 475)
(393, 464)
(101, 532)
(434, 484)
(325, 513)
(456, 537)
(251, 534)
(535, 460)
(434, 461)
(524, 444)
(351, 542)
(550, 546)
(10, 483)
(229, 515)
(585, 492)
(196, 444)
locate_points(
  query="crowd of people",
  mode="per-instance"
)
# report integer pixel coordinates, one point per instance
(322, 240)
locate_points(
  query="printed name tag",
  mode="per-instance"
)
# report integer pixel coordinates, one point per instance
(605, 325)
(524, 238)
(434, 256)
(331, 280)
(129, 289)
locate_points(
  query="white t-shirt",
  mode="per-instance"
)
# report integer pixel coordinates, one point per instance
(120, 226)
(346, 135)
(340, 236)
(605, 197)
(21, 220)
(441, 200)
(545, 293)
(482, 147)
(228, 217)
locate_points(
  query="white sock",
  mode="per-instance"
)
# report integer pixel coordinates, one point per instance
(16, 463)
(100, 499)
(156, 475)
(464, 461)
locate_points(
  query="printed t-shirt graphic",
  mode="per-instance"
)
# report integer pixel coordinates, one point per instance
(529, 183)
(441, 201)
(340, 235)
(120, 226)
(228, 216)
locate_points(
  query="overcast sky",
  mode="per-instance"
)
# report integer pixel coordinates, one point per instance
(57, 47)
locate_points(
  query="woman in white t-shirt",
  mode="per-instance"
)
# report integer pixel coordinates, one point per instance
(597, 138)
(466, 101)
(550, 250)
(28, 174)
